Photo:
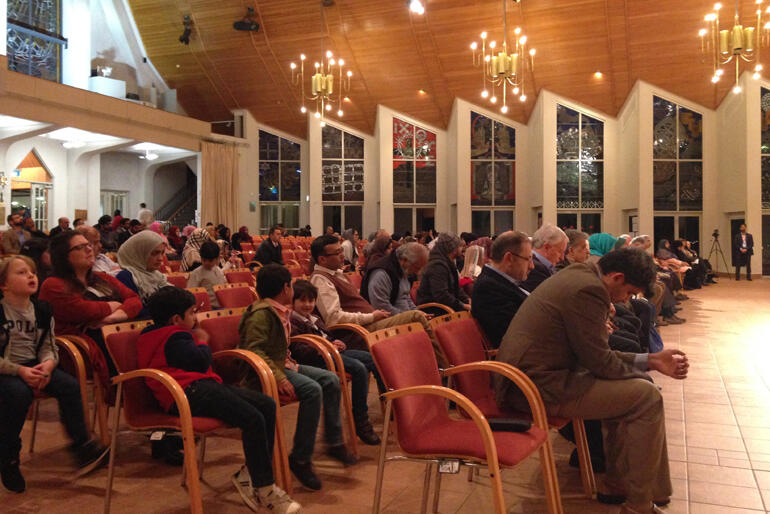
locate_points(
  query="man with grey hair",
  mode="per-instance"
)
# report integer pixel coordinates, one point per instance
(440, 282)
(497, 293)
(63, 225)
(644, 242)
(386, 284)
(549, 244)
(101, 262)
(578, 248)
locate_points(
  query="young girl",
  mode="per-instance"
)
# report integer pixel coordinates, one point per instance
(28, 358)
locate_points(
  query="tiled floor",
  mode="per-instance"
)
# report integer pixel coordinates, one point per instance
(718, 424)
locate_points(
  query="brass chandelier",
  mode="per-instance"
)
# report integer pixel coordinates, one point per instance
(322, 83)
(504, 67)
(734, 44)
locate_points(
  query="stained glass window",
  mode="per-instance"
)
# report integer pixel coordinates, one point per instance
(34, 43)
(493, 174)
(677, 149)
(279, 180)
(579, 160)
(414, 175)
(342, 178)
(765, 122)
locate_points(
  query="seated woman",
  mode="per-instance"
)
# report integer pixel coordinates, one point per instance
(472, 266)
(440, 281)
(141, 258)
(242, 236)
(175, 241)
(191, 254)
(83, 300)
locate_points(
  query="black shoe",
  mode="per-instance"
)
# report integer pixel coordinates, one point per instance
(748, 278)
(365, 432)
(610, 499)
(304, 473)
(596, 464)
(341, 453)
(11, 476)
(90, 456)
(167, 450)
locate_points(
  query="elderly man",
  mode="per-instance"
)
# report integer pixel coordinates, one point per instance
(386, 284)
(63, 226)
(497, 293)
(549, 243)
(15, 236)
(559, 339)
(270, 249)
(101, 262)
(578, 248)
(340, 302)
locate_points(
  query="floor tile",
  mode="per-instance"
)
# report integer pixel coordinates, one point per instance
(720, 475)
(727, 495)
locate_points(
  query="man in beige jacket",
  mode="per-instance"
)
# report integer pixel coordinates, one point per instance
(559, 339)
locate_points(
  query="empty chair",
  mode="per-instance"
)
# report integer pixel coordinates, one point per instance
(178, 279)
(287, 254)
(296, 271)
(407, 363)
(235, 295)
(202, 299)
(240, 275)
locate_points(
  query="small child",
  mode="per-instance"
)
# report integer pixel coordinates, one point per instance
(208, 274)
(357, 362)
(28, 358)
(174, 344)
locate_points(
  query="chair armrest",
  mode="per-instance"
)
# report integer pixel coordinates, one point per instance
(516, 376)
(320, 345)
(354, 328)
(173, 387)
(434, 305)
(464, 403)
(492, 352)
(80, 368)
(260, 367)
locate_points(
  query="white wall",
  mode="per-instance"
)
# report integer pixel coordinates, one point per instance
(628, 196)
(76, 57)
(168, 180)
(121, 171)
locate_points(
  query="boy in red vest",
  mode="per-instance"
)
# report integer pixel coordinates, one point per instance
(173, 344)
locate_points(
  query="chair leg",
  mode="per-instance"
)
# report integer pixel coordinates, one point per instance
(496, 483)
(201, 455)
(436, 490)
(35, 412)
(191, 468)
(113, 450)
(281, 452)
(470, 474)
(381, 460)
(550, 480)
(584, 456)
(426, 488)
(347, 406)
(101, 411)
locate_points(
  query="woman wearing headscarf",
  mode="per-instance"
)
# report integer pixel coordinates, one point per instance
(440, 280)
(380, 248)
(141, 258)
(350, 240)
(191, 254)
(189, 229)
(242, 236)
(175, 241)
(600, 244)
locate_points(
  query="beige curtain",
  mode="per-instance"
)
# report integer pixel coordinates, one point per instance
(220, 200)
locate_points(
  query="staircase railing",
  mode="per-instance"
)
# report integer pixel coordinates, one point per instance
(182, 207)
(174, 203)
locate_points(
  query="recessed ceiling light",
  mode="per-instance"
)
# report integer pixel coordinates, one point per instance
(598, 74)
(421, 92)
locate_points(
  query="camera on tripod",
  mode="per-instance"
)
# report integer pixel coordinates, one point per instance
(715, 234)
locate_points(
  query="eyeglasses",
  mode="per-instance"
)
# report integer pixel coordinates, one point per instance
(83, 246)
(338, 252)
(530, 258)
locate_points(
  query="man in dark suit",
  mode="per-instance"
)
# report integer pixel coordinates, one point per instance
(549, 244)
(63, 224)
(559, 339)
(743, 249)
(497, 293)
(270, 249)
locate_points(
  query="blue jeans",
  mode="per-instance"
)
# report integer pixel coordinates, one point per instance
(314, 388)
(15, 399)
(358, 363)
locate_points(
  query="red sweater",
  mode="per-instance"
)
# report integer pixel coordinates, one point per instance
(73, 313)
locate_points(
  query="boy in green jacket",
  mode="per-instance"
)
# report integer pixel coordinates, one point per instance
(264, 330)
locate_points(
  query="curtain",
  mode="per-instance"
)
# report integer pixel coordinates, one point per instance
(219, 184)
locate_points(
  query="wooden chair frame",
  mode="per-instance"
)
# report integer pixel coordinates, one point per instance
(587, 476)
(534, 400)
(193, 467)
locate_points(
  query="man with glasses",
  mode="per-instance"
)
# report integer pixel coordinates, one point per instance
(101, 261)
(339, 301)
(497, 292)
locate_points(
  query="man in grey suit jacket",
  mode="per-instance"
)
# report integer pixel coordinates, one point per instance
(559, 339)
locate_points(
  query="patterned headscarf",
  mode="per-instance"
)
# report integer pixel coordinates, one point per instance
(192, 249)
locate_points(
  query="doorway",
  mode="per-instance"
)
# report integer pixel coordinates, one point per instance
(31, 188)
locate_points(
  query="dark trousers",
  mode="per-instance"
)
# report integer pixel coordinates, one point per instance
(15, 399)
(252, 412)
(358, 364)
(742, 260)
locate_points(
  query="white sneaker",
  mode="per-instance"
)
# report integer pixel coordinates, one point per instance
(242, 482)
(275, 499)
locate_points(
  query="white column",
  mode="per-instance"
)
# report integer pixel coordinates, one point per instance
(315, 208)
(76, 58)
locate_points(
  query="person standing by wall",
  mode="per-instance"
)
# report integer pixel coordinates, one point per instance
(743, 249)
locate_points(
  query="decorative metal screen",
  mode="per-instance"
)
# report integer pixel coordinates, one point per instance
(34, 43)
(579, 160)
(342, 178)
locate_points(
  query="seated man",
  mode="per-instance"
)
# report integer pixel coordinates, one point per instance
(173, 344)
(340, 302)
(264, 330)
(549, 243)
(578, 249)
(358, 363)
(386, 283)
(270, 249)
(497, 294)
(559, 339)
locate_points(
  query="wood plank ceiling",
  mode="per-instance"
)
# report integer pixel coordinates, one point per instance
(393, 53)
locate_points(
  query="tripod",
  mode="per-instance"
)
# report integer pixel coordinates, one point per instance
(716, 248)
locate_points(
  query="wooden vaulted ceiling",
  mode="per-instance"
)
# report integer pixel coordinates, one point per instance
(394, 53)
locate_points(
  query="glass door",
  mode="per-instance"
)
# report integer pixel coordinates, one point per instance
(39, 205)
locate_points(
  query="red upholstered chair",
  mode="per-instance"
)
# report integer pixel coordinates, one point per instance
(463, 342)
(406, 361)
(296, 271)
(175, 266)
(235, 295)
(178, 279)
(143, 413)
(247, 247)
(287, 254)
(240, 275)
(202, 300)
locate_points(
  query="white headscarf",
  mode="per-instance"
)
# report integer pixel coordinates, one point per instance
(192, 249)
(133, 255)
